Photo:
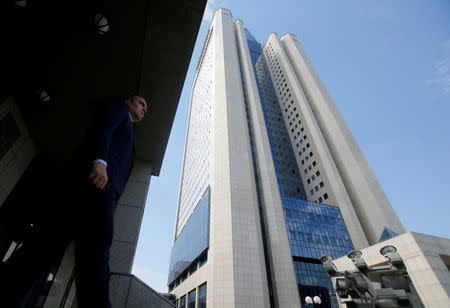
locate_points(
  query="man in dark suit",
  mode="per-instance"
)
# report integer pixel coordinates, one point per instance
(110, 152)
(95, 182)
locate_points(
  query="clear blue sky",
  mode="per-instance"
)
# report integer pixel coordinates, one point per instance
(387, 66)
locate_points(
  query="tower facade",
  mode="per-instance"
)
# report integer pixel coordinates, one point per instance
(272, 179)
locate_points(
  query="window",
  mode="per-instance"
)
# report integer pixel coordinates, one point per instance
(321, 184)
(302, 129)
(309, 167)
(313, 178)
(321, 200)
(183, 302)
(303, 161)
(307, 145)
(191, 299)
(309, 181)
(318, 173)
(311, 191)
(316, 188)
(325, 196)
(203, 258)
(311, 154)
(193, 268)
(202, 296)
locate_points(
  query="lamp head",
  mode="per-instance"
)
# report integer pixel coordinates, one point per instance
(387, 249)
(325, 258)
(309, 300)
(354, 254)
(317, 300)
(328, 265)
(356, 257)
(390, 253)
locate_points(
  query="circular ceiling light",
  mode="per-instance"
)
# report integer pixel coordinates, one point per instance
(101, 24)
(20, 3)
(44, 97)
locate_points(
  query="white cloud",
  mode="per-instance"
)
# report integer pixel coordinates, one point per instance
(442, 67)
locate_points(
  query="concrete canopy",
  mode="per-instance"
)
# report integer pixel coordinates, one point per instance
(53, 45)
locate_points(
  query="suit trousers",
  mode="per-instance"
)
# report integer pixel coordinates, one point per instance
(92, 245)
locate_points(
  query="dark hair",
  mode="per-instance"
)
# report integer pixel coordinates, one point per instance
(130, 97)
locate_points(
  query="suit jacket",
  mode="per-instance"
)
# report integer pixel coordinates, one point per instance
(111, 138)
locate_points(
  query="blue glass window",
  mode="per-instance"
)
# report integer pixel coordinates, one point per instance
(183, 301)
(191, 299)
(202, 296)
(192, 241)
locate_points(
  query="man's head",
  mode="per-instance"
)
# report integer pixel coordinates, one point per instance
(137, 106)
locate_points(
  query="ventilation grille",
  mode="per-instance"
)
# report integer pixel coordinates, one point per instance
(9, 133)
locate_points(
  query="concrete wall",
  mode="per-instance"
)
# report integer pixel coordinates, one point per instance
(127, 291)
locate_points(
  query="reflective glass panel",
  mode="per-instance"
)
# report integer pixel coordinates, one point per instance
(193, 239)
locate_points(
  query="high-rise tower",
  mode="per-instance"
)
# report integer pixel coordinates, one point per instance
(272, 178)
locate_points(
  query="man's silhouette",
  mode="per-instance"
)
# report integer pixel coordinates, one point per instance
(98, 178)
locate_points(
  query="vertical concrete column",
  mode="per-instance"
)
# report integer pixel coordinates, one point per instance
(368, 198)
(128, 218)
(282, 270)
(236, 256)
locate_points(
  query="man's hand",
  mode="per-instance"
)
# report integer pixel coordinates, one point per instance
(98, 175)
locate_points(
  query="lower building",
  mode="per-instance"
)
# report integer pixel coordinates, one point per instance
(426, 260)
